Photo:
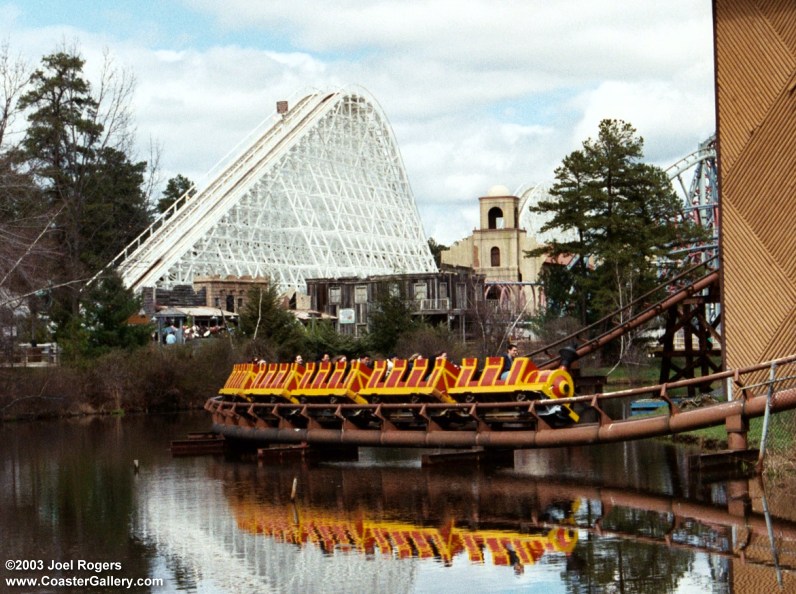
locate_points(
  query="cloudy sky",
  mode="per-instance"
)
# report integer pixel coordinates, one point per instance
(478, 92)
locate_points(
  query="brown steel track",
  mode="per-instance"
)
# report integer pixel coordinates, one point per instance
(678, 288)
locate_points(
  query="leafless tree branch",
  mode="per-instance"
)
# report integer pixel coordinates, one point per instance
(14, 75)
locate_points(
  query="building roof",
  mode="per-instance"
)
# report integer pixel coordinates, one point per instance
(310, 314)
(195, 312)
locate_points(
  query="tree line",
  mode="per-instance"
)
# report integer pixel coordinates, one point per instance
(619, 233)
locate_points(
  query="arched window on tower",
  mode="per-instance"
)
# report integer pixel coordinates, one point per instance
(494, 256)
(496, 220)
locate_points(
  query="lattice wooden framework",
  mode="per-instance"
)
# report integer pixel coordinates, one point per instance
(321, 193)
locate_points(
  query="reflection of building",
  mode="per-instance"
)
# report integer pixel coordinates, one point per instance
(442, 297)
(496, 250)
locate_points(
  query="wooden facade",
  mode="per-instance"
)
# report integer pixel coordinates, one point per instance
(445, 296)
(755, 46)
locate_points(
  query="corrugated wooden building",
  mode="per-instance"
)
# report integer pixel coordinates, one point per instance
(756, 109)
(443, 297)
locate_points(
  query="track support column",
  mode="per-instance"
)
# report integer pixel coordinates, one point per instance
(737, 429)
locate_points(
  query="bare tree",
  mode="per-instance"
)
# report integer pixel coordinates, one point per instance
(114, 95)
(23, 229)
(14, 76)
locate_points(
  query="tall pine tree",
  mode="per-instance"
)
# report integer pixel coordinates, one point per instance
(75, 149)
(617, 217)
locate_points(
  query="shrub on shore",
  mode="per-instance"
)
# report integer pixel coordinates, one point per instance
(152, 379)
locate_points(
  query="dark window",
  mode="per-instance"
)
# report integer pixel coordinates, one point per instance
(494, 255)
(461, 295)
(230, 302)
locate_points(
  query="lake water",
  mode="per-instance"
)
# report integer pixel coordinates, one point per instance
(620, 518)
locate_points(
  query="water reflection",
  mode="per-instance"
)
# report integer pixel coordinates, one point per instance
(626, 517)
(67, 492)
(387, 525)
(371, 511)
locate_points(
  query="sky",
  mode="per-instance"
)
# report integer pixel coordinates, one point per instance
(478, 92)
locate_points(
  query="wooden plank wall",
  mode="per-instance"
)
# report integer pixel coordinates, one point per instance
(755, 45)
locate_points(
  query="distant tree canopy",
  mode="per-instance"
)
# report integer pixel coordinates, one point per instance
(388, 321)
(266, 321)
(617, 217)
(176, 188)
(103, 325)
(436, 250)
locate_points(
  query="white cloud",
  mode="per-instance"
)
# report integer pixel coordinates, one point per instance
(478, 92)
(658, 111)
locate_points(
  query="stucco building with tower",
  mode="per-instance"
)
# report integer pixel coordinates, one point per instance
(497, 250)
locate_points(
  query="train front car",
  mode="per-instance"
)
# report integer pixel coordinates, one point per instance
(523, 382)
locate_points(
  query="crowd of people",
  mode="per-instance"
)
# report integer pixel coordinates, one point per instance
(366, 360)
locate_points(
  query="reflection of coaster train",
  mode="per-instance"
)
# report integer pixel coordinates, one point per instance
(402, 540)
(421, 381)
